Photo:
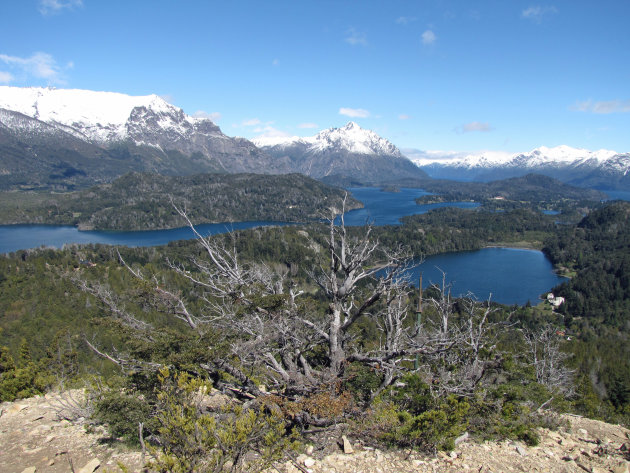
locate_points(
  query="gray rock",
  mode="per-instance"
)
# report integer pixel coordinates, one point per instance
(30, 469)
(347, 446)
(91, 466)
(461, 438)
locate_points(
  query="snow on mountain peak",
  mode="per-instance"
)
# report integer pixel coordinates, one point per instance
(540, 156)
(564, 153)
(351, 138)
(99, 116)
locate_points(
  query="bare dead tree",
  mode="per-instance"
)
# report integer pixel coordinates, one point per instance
(460, 342)
(355, 288)
(548, 360)
(259, 310)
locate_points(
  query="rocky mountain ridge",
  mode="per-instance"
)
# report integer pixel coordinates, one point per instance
(65, 138)
(346, 152)
(76, 137)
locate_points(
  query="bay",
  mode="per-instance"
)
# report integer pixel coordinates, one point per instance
(381, 208)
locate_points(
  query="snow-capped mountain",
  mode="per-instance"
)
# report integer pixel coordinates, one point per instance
(351, 138)
(100, 135)
(601, 169)
(349, 152)
(100, 117)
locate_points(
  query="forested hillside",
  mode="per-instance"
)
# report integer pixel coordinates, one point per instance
(145, 201)
(597, 309)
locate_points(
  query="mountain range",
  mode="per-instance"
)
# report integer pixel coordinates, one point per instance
(65, 138)
(602, 169)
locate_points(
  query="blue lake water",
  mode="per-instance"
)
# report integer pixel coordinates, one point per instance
(617, 195)
(507, 275)
(15, 237)
(387, 208)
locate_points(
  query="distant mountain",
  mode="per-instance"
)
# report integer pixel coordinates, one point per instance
(603, 169)
(350, 153)
(63, 138)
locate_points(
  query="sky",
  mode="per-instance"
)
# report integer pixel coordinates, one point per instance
(458, 76)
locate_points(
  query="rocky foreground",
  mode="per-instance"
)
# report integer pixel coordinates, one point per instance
(34, 437)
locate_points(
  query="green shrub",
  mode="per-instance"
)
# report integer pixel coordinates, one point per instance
(233, 438)
(122, 413)
(409, 417)
(17, 382)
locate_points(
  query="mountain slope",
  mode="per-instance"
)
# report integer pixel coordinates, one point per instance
(348, 152)
(581, 167)
(66, 138)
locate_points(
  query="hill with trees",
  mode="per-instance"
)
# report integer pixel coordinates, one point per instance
(139, 201)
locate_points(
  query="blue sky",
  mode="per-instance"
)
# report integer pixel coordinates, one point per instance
(432, 75)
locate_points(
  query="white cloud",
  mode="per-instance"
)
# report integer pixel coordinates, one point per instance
(428, 37)
(474, 126)
(268, 131)
(404, 116)
(537, 13)
(405, 20)
(251, 122)
(308, 125)
(47, 7)
(39, 65)
(356, 38)
(428, 156)
(5, 77)
(214, 116)
(275, 62)
(354, 112)
(603, 107)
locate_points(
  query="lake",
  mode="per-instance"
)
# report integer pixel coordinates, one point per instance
(511, 276)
